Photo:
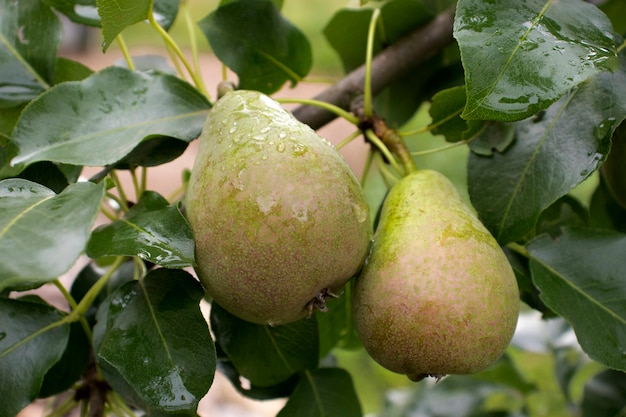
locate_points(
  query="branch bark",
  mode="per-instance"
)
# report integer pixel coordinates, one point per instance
(392, 63)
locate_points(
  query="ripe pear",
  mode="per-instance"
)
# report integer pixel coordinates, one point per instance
(437, 295)
(279, 219)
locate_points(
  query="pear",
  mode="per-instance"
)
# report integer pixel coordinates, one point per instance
(437, 295)
(280, 221)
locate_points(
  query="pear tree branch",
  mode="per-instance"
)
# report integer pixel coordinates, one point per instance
(390, 64)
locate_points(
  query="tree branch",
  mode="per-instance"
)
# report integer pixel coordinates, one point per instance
(392, 63)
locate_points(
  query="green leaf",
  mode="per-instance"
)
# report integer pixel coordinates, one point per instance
(69, 70)
(347, 33)
(566, 211)
(549, 157)
(262, 354)
(323, 392)
(153, 344)
(52, 229)
(605, 212)
(156, 151)
(30, 34)
(227, 368)
(101, 119)
(519, 57)
(117, 15)
(254, 40)
(347, 30)
(581, 277)
(495, 136)
(83, 12)
(72, 364)
(47, 174)
(604, 395)
(24, 362)
(336, 326)
(616, 11)
(445, 111)
(152, 229)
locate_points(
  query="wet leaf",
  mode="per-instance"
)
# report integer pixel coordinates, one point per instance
(51, 228)
(254, 40)
(580, 276)
(99, 120)
(548, 158)
(536, 51)
(30, 34)
(153, 344)
(23, 363)
(152, 229)
(84, 12)
(262, 354)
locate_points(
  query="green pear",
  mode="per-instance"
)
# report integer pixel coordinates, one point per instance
(437, 295)
(279, 219)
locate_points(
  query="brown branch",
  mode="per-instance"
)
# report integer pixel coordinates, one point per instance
(392, 63)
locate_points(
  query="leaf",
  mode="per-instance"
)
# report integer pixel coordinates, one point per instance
(51, 229)
(99, 120)
(445, 111)
(83, 12)
(47, 174)
(23, 363)
(536, 50)
(262, 354)
(156, 151)
(69, 70)
(70, 366)
(30, 34)
(117, 15)
(323, 392)
(336, 326)
(347, 33)
(566, 211)
(254, 40)
(495, 136)
(152, 229)
(248, 389)
(581, 277)
(605, 394)
(153, 344)
(605, 212)
(549, 157)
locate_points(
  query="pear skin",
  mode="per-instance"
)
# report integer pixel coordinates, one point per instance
(279, 219)
(437, 295)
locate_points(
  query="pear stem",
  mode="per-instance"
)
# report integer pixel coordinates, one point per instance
(392, 139)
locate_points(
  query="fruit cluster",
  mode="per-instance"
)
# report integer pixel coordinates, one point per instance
(281, 223)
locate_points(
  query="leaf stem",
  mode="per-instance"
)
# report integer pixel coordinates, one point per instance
(368, 166)
(441, 148)
(388, 177)
(122, 200)
(322, 104)
(367, 87)
(124, 48)
(516, 247)
(172, 44)
(193, 40)
(349, 139)
(73, 306)
(64, 408)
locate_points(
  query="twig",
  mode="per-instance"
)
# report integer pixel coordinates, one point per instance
(392, 63)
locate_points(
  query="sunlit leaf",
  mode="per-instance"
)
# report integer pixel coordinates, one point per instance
(521, 56)
(42, 233)
(101, 119)
(580, 276)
